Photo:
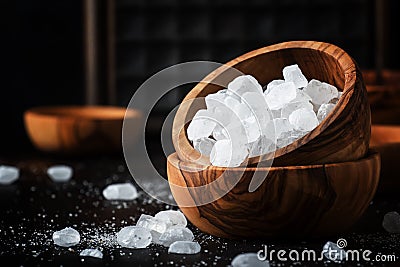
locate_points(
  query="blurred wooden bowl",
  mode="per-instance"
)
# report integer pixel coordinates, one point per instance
(386, 140)
(294, 201)
(78, 129)
(342, 136)
(383, 96)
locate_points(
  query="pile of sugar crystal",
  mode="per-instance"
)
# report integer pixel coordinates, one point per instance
(166, 228)
(246, 121)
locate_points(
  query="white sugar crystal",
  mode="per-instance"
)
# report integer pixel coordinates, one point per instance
(204, 145)
(8, 174)
(134, 237)
(225, 153)
(252, 128)
(153, 224)
(391, 222)
(184, 247)
(243, 84)
(236, 133)
(276, 114)
(219, 133)
(273, 84)
(280, 95)
(201, 126)
(60, 173)
(320, 92)
(292, 106)
(282, 142)
(277, 127)
(295, 134)
(175, 233)
(293, 74)
(66, 237)
(91, 252)
(258, 106)
(172, 217)
(231, 101)
(332, 252)
(282, 126)
(289, 137)
(215, 100)
(222, 115)
(155, 237)
(324, 110)
(336, 99)
(248, 260)
(261, 146)
(301, 96)
(120, 191)
(242, 111)
(303, 119)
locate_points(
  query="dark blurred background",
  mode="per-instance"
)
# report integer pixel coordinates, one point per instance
(100, 51)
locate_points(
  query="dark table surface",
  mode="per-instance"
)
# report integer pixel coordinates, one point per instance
(33, 207)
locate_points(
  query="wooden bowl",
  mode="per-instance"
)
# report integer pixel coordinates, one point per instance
(342, 136)
(386, 140)
(295, 201)
(383, 96)
(78, 129)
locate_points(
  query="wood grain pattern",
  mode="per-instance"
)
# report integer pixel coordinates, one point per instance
(314, 200)
(386, 140)
(77, 130)
(342, 136)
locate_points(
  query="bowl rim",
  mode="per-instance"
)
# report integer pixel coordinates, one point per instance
(174, 160)
(71, 112)
(345, 62)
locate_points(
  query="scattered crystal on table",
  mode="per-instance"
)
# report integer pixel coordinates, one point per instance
(334, 253)
(391, 222)
(248, 260)
(120, 191)
(8, 174)
(91, 252)
(60, 173)
(66, 237)
(184, 247)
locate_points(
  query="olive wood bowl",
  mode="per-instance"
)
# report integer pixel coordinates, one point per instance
(78, 129)
(294, 201)
(342, 136)
(386, 140)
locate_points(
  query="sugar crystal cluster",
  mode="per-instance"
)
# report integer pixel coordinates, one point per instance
(166, 228)
(244, 120)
